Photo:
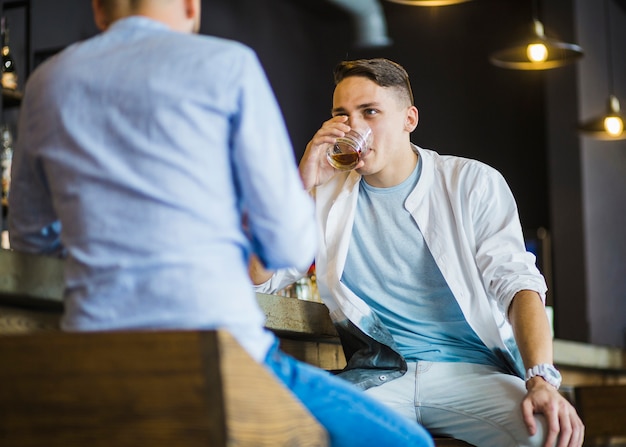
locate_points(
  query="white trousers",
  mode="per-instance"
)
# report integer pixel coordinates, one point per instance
(475, 403)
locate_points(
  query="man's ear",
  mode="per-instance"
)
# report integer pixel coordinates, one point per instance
(192, 13)
(99, 15)
(191, 8)
(412, 118)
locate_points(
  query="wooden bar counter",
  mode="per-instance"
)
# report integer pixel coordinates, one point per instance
(31, 291)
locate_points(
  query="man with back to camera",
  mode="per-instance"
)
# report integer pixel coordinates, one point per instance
(139, 171)
(422, 264)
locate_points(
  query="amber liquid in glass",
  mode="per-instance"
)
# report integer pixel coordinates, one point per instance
(344, 161)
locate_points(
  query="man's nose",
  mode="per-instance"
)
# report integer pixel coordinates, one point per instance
(353, 121)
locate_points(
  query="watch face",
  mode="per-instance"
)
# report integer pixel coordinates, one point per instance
(553, 373)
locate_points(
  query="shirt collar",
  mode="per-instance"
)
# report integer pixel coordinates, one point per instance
(138, 21)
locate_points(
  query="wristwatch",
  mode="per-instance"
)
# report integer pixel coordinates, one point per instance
(548, 372)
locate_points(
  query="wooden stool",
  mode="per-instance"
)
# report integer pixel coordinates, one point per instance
(603, 411)
(179, 388)
(450, 442)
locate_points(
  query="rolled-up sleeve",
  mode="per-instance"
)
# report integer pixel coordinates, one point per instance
(506, 266)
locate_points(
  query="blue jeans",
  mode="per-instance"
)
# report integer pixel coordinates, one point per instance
(350, 417)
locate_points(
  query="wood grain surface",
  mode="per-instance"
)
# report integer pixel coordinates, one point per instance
(180, 388)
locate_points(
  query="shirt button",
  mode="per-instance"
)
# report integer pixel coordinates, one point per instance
(382, 378)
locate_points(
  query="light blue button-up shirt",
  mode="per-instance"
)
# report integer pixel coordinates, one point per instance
(138, 152)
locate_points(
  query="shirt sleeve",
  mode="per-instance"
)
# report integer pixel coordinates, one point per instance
(279, 280)
(506, 266)
(33, 225)
(279, 212)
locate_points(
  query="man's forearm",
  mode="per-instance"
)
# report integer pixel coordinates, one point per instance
(531, 328)
(257, 272)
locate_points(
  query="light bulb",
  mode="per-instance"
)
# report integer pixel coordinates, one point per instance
(537, 52)
(613, 125)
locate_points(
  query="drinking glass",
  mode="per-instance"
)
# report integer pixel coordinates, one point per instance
(348, 150)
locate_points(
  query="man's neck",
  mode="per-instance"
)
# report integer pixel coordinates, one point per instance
(395, 173)
(177, 15)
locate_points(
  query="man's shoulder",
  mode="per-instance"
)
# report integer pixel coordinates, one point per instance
(217, 44)
(461, 172)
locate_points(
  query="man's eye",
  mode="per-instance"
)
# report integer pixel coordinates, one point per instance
(371, 111)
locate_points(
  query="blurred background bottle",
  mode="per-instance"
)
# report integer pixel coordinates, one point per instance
(9, 74)
(6, 158)
(306, 287)
(303, 289)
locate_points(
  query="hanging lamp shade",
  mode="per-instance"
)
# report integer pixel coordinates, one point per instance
(429, 2)
(537, 53)
(606, 127)
(611, 125)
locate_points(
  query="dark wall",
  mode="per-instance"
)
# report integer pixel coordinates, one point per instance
(522, 123)
(603, 176)
(467, 106)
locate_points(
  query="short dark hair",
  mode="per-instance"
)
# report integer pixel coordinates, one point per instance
(382, 71)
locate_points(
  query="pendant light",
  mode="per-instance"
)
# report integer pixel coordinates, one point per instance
(429, 2)
(539, 52)
(611, 125)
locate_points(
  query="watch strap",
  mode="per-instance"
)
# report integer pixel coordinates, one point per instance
(546, 371)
